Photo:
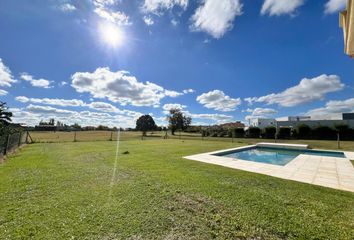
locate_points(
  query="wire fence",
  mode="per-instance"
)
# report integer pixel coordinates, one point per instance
(11, 142)
(83, 136)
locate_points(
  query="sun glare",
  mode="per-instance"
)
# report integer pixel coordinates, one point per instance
(111, 35)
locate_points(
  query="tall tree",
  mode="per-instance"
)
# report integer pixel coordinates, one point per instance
(178, 120)
(145, 123)
(5, 115)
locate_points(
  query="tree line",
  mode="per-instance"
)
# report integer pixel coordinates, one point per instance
(177, 121)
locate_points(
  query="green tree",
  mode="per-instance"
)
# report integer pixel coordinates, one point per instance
(304, 131)
(145, 123)
(5, 115)
(76, 127)
(178, 121)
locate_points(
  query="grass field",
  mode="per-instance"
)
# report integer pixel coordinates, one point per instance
(83, 136)
(66, 191)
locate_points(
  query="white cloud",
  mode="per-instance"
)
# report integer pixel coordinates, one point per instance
(219, 101)
(186, 91)
(120, 87)
(32, 114)
(332, 109)
(3, 92)
(333, 6)
(52, 101)
(62, 83)
(280, 7)
(98, 106)
(174, 22)
(116, 17)
(216, 17)
(308, 90)
(6, 78)
(159, 6)
(41, 83)
(104, 3)
(107, 107)
(148, 20)
(48, 110)
(103, 9)
(167, 107)
(67, 7)
(173, 94)
(260, 112)
(215, 117)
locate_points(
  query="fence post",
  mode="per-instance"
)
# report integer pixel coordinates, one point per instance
(74, 136)
(6, 145)
(19, 139)
(29, 135)
(111, 139)
(338, 140)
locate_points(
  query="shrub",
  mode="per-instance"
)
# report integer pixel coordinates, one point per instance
(294, 133)
(284, 133)
(324, 133)
(239, 132)
(304, 131)
(253, 132)
(269, 132)
(345, 133)
(213, 134)
(221, 134)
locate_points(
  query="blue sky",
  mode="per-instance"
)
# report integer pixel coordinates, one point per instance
(109, 61)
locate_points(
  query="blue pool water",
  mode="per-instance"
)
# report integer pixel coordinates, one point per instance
(276, 156)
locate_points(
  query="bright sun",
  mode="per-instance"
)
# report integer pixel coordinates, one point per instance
(111, 34)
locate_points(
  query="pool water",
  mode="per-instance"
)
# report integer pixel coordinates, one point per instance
(276, 156)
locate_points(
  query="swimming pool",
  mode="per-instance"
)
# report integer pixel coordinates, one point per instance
(277, 156)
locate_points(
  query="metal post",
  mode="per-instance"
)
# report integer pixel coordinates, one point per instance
(74, 136)
(338, 140)
(276, 131)
(6, 144)
(19, 139)
(111, 139)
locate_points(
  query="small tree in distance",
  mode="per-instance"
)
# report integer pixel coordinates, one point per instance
(178, 121)
(145, 123)
(5, 115)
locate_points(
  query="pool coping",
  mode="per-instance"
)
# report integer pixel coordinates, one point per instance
(332, 172)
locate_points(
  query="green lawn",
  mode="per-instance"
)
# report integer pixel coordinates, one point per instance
(64, 191)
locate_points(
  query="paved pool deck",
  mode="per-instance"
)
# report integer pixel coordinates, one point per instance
(332, 172)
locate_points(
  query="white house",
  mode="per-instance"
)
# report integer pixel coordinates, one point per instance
(262, 122)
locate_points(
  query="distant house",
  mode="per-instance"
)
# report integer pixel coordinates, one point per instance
(262, 122)
(230, 125)
(299, 118)
(348, 116)
(45, 128)
(347, 119)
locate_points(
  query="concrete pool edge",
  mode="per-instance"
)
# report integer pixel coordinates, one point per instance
(332, 172)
